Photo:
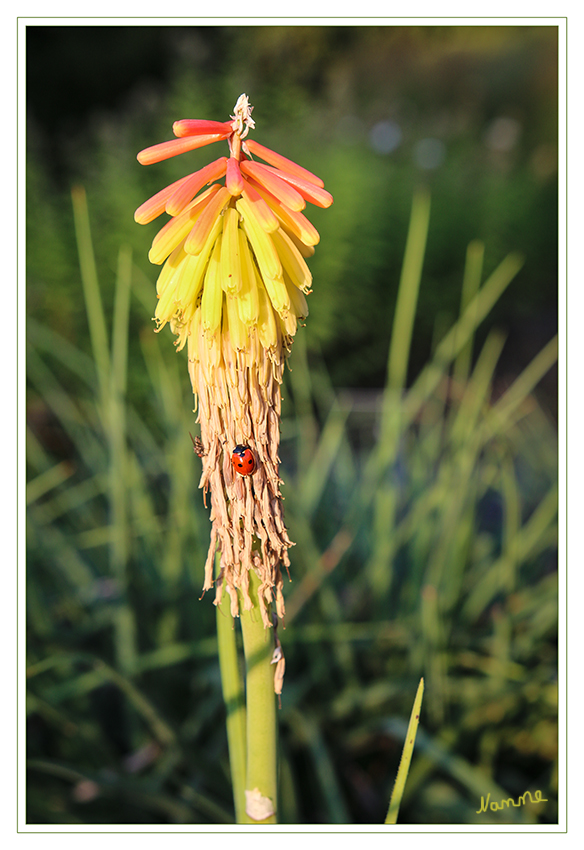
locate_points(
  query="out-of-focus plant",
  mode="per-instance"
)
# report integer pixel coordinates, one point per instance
(426, 526)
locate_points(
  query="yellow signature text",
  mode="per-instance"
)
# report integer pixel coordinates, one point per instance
(505, 804)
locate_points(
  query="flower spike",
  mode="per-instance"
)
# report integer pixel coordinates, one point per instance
(232, 288)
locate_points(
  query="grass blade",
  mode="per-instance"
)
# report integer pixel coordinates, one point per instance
(115, 425)
(409, 286)
(407, 752)
(93, 303)
(470, 286)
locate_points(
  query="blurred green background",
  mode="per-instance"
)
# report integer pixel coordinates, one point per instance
(420, 480)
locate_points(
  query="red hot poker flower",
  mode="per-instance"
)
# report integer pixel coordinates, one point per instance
(232, 287)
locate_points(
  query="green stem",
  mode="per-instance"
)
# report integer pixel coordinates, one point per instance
(261, 779)
(233, 696)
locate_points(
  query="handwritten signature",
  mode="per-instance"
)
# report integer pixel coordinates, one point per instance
(504, 804)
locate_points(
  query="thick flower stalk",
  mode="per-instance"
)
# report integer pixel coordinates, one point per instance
(232, 288)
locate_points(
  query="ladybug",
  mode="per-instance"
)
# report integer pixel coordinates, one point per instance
(243, 460)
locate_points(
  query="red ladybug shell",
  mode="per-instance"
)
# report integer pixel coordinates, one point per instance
(243, 460)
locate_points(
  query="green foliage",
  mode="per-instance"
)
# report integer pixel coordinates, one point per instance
(423, 498)
(426, 536)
